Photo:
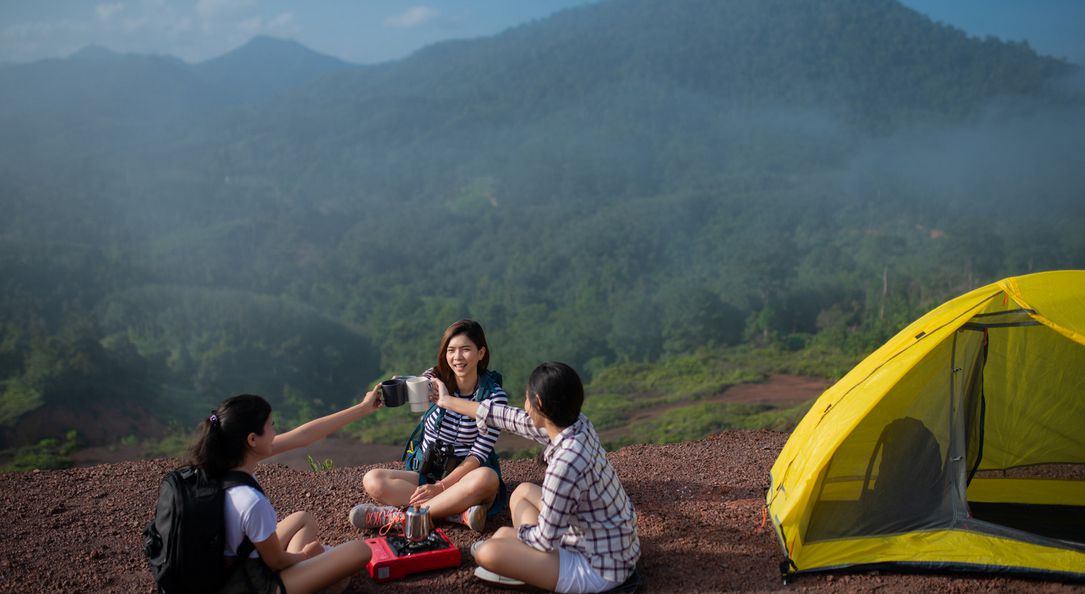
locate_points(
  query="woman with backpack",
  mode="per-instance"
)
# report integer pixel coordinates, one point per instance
(578, 531)
(453, 469)
(285, 556)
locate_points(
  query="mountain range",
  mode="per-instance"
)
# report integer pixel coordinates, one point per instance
(619, 182)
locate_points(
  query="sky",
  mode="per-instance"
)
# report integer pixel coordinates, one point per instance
(372, 31)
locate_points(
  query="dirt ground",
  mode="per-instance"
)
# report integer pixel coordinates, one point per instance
(777, 389)
(699, 507)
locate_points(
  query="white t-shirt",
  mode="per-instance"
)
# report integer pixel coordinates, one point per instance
(248, 513)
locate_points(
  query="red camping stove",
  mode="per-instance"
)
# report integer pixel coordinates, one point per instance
(395, 557)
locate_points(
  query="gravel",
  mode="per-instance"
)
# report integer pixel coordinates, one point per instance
(699, 508)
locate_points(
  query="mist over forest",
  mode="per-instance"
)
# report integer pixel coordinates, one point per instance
(627, 181)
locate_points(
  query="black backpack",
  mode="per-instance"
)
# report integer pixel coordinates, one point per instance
(184, 542)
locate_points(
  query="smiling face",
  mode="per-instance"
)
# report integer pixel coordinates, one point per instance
(462, 356)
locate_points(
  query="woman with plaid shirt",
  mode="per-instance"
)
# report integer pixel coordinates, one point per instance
(578, 531)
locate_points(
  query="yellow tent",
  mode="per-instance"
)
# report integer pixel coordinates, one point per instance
(959, 444)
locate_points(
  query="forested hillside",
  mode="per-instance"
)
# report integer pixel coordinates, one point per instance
(630, 181)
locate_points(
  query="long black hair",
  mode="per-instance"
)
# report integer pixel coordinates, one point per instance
(557, 392)
(222, 438)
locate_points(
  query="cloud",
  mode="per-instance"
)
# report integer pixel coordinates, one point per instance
(217, 9)
(281, 23)
(42, 29)
(413, 17)
(133, 25)
(30, 41)
(107, 10)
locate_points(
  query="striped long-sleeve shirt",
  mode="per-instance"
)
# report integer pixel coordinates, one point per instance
(584, 506)
(462, 431)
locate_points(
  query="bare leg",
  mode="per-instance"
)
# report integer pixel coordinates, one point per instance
(334, 565)
(478, 486)
(390, 487)
(297, 530)
(395, 487)
(505, 555)
(525, 504)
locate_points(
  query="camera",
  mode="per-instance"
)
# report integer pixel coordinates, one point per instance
(439, 460)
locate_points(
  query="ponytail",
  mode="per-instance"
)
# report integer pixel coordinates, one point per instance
(222, 437)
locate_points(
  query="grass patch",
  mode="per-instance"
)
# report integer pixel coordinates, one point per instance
(16, 399)
(173, 445)
(386, 427)
(777, 419)
(681, 383)
(47, 454)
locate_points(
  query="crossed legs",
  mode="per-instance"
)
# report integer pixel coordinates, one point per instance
(335, 564)
(395, 487)
(505, 554)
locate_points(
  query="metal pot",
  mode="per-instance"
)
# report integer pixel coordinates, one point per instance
(419, 524)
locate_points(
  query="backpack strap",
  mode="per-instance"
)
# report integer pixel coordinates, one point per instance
(413, 449)
(237, 478)
(486, 385)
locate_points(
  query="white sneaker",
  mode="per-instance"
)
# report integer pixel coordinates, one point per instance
(496, 580)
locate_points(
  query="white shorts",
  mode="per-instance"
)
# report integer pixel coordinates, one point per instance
(576, 575)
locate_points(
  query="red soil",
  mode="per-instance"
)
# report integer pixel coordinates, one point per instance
(699, 508)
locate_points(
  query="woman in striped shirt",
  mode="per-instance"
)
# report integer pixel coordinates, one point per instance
(577, 532)
(470, 490)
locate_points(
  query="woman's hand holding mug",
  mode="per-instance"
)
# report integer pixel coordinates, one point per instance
(372, 399)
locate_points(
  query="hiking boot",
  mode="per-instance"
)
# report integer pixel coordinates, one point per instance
(473, 517)
(369, 516)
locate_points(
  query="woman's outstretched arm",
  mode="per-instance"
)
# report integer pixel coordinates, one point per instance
(509, 418)
(462, 406)
(318, 429)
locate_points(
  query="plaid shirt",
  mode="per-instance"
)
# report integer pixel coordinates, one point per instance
(584, 506)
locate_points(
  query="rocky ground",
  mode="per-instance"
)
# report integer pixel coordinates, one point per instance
(699, 506)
